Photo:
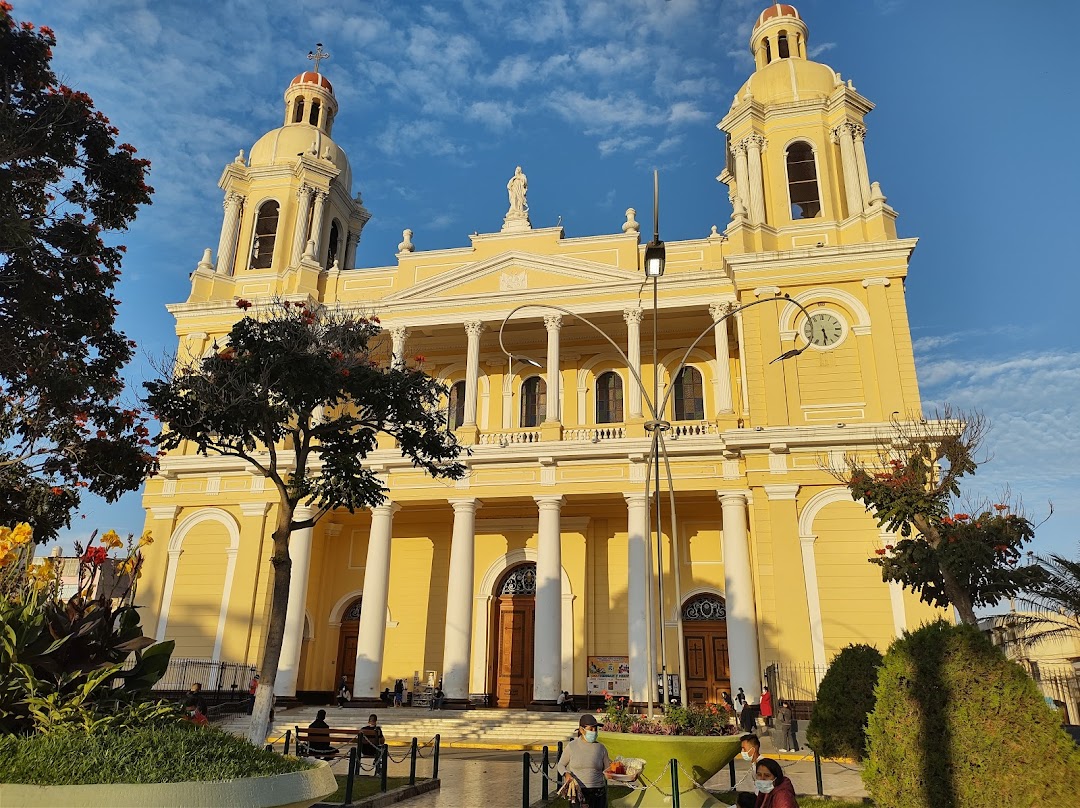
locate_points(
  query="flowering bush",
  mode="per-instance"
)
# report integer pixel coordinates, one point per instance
(710, 719)
(64, 661)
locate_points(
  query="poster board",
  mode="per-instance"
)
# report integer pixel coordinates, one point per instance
(610, 673)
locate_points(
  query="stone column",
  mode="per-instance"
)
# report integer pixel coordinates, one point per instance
(742, 178)
(755, 145)
(633, 353)
(553, 324)
(398, 334)
(637, 539)
(350, 250)
(547, 647)
(842, 135)
(230, 229)
(457, 640)
(369, 647)
(739, 595)
(293, 641)
(473, 328)
(859, 135)
(317, 222)
(300, 234)
(723, 357)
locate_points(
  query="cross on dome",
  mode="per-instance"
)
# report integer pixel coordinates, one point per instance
(318, 55)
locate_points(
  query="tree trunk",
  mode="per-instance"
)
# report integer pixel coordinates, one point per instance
(280, 578)
(959, 598)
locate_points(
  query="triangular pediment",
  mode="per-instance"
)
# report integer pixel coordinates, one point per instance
(513, 272)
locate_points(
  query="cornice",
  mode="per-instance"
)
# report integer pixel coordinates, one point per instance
(899, 249)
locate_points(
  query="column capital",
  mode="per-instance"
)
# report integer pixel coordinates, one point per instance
(847, 128)
(639, 498)
(868, 282)
(321, 195)
(719, 310)
(254, 508)
(553, 322)
(858, 131)
(399, 333)
(755, 141)
(474, 328)
(766, 290)
(387, 507)
(164, 512)
(232, 198)
(633, 316)
(733, 497)
(738, 147)
(549, 501)
(784, 491)
(465, 504)
(303, 190)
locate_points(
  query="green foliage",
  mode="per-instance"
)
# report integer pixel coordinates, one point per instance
(844, 700)
(169, 754)
(956, 725)
(65, 185)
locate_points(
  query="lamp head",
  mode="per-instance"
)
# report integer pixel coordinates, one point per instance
(655, 259)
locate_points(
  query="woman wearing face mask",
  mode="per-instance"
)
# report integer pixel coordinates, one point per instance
(773, 788)
(582, 766)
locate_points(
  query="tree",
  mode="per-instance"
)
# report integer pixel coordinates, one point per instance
(1052, 605)
(956, 725)
(845, 698)
(64, 186)
(299, 393)
(950, 559)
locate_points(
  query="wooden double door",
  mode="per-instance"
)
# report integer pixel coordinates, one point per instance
(513, 659)
(707, 668)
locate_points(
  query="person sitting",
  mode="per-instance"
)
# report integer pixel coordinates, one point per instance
(194, 701)
(343, 695)
(566, 702)
(199, 719)
(438, 699)
(372, 741)
(319, 737)
(386, 697)
(773, 788)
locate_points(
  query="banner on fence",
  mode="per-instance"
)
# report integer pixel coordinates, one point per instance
(610, 673)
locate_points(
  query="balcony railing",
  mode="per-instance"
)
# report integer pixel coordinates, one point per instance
(693, 429)
(515, 437)
(594, 434)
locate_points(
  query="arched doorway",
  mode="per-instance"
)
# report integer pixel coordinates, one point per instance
(348, 635)
(705, 631)
(512, 628)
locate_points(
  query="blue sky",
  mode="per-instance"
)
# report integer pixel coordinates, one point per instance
(440, 100)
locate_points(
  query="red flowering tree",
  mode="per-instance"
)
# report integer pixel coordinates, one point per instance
(65, 186)
(302, 395)
(911, 486)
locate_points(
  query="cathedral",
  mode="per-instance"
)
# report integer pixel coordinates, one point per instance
(540, 571)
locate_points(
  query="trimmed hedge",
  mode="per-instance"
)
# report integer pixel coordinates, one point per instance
(845, 698)
(956, 725)
(158, 755)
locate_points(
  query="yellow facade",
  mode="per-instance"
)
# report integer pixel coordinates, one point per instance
(768, 433)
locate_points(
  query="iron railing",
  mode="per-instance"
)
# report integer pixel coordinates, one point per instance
(225, 678)
(796, 682)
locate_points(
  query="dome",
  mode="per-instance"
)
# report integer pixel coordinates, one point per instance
(776, 10)
(317, 79)
(789, 80)
(283, 145)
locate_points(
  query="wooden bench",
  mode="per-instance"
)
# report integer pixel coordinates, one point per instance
(306, 736)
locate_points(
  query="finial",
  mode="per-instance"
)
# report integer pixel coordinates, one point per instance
(206, 265)
(318, 55)
(631, 225)
(713, 233)
(406, 244)
(240, 158)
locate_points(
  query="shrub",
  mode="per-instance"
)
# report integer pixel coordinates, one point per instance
(956, 725)
(172, 754)
(708, 719)
(844, 701)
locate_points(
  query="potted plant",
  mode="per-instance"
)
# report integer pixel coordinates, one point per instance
(701, 738)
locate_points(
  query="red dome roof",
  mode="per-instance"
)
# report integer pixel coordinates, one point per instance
(777, 10)
(313, 78)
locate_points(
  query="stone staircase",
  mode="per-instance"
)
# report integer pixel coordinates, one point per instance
(480, 729)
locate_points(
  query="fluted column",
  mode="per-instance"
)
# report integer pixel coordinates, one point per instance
(742, 177)
(303, 210)
(317, 222)
(842, 135)
(350, 250)
(547, 638)
(739, 595)
(637, 539)
(755, 144)
(230, 230)
(293, 641)
(459, 600)
(398, 335)
(372, 630)
(553, 324)
(723, 357)
(859, 135)
(473, 329)
(633, 353)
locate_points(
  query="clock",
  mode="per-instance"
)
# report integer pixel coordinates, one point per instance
(823, 329)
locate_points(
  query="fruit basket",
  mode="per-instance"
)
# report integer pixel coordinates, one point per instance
(624, 770)
(620, 778)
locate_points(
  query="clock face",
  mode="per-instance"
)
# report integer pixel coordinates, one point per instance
(823, 329)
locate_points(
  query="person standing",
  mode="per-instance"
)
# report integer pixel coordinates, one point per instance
(751, 753)
(399, 692)
(743, 712)
(766, 706)
(789, 727)
(253, 687)
(582, 766)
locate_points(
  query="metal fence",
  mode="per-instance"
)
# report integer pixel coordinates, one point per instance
(225, 678)
(796, 682)
(1063, 689)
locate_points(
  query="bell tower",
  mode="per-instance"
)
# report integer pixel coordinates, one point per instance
(290, 223)
(795, 160)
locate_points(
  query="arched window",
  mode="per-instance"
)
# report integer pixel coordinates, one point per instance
(313, 118)
(262, 245)
(609, 398)
(335, 239)
(689, 398)
(802, 181)
(704, 608)
(533, 401)
(352, 614)
(457, 405)
(768, 52)
(521, 580)
(782, 46)
(298, 116)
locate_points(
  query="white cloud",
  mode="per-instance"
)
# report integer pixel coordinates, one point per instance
(600, 115)
(817, 50)
(497, 115)
(683, 112)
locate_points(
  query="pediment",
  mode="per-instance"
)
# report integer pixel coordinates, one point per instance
(513, 272)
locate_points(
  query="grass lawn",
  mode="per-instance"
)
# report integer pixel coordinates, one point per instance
(804, 802)
(365, 786)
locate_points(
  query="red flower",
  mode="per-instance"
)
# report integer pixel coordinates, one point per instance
(880, 551)
(376, 319)
(57, 490)
(420, 358)
(1000, 507)
(243, 304)
(344, 371)
(962, 517)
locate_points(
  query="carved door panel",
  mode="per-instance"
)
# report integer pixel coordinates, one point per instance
(346, 659)
(697, 672)
(514, 659)
(707, 671)
(721, 673)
